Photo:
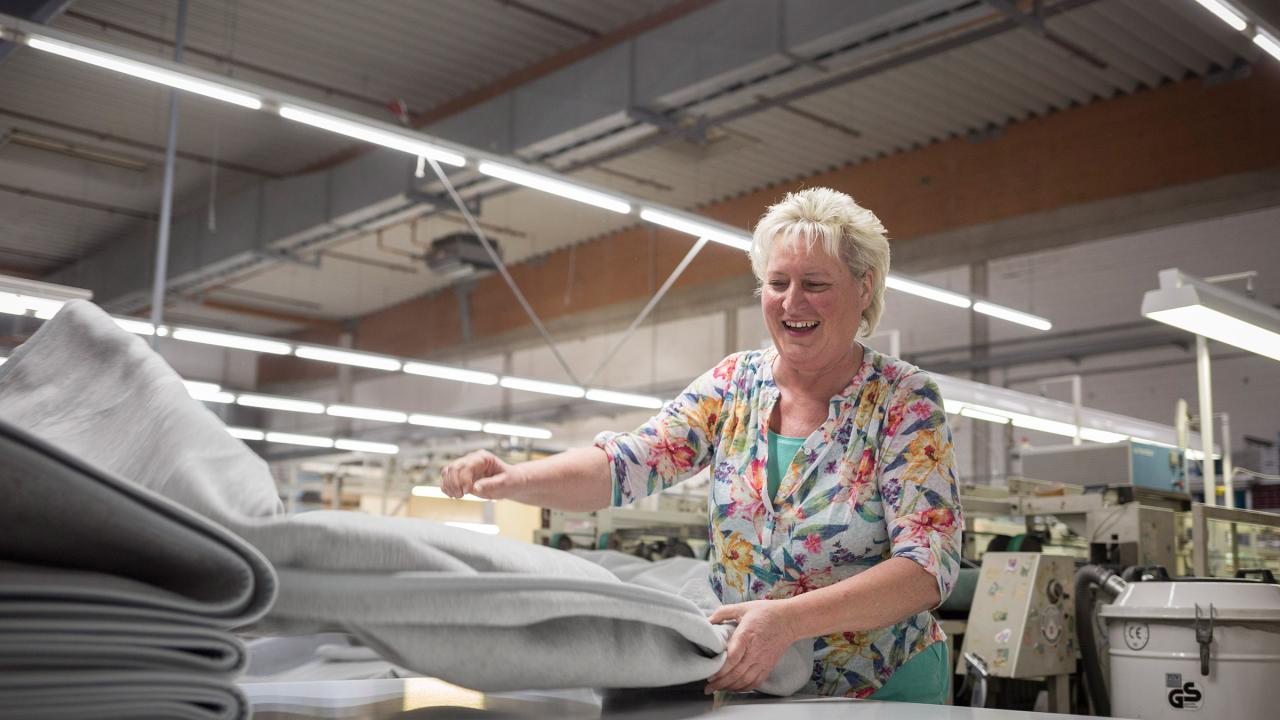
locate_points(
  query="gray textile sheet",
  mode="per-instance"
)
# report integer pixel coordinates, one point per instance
(480, 611)
(115, 601)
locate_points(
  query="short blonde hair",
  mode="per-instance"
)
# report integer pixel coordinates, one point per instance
(847, 230)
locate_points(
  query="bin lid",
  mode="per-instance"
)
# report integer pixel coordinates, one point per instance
(1177, 600)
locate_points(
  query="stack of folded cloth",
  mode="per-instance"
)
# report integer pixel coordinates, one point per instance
(114, 601)
(485, 612)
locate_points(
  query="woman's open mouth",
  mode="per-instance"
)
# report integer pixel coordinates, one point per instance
(800, 327)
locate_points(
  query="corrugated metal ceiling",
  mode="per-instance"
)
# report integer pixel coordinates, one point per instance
(428, 52)
(1011, 77)
(356, 55)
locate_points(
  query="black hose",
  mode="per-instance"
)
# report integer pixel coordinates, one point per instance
(1089, 578)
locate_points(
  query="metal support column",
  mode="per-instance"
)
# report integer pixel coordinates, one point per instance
(1204, 383)
(166, 198)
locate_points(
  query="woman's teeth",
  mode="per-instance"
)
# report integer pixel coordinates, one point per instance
(801, 325)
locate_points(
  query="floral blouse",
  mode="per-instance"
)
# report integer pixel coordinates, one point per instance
(876, 480)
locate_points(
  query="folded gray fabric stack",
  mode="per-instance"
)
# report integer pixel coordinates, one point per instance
(114, 601)
(480, 611)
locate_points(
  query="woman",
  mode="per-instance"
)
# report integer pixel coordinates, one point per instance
(834, 511)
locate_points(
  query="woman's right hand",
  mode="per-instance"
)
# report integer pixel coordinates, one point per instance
(482, 474)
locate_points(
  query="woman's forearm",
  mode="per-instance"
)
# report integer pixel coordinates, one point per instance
(881, 596)
(577, 480)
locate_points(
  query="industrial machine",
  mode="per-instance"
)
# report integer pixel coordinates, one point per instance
(670, 524)
(1181, 645)
(1022, 623)
(1129, 463)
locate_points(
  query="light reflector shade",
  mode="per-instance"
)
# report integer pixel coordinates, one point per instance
(347, 357)
(1191, 304)
(180, 81)
(1226, 14)
(516, 431)
(366, 446)
(621, 398)
(366, 413)
(444, 372)
(542, 386)
(929, 292)
(397, 139)
(231, 340)
(295, 439)
(696, 229)
(246, 433)
(1013, 316)
(554, 186)
(1267, 43)
(271, 402)
(449, 423)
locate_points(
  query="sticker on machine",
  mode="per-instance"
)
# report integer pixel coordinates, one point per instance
(1183, 696)
(1136, 635)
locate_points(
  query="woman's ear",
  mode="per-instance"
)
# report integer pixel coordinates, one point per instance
(865, 290)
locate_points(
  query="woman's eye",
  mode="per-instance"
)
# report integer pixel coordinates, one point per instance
(779, 284)
(815, 286)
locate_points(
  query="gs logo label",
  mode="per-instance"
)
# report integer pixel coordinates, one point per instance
(1186, 697)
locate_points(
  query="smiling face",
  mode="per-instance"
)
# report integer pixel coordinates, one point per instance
(812, 305)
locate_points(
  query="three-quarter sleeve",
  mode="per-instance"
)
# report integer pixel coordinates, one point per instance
(674, 444)
(918, 481)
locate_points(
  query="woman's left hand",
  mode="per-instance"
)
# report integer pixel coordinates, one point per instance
(762, 636)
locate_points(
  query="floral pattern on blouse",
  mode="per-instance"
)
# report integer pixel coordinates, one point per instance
(876, 480)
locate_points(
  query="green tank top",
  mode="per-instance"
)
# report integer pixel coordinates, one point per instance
(782, 450)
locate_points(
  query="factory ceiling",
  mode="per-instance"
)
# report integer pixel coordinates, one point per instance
(685, 103)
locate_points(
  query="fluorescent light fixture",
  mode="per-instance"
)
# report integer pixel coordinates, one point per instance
(1101, 436)
(137, 327)
(347, 357)
(271, 402)
(145, 71)
(621, 398)
(696, 228)
(3, 360)
(449, 423)
(12, 304)
(929, 292)
(444, 372)
(365, 446)
(295, 439)
(231, 340)
(208, 392)
(19, 304)
(484, 528)
(554, 186)
(977, 414)
(516, 431)
(368, 131)
(1268, 43)
(246, 433)
(43, 308)
(431, 491)
(366, 413)
(1013, 316)
(1225, 13)
(542, 386)
(1189, 303)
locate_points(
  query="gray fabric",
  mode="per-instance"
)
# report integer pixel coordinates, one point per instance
(476, 610)
(114, 601)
